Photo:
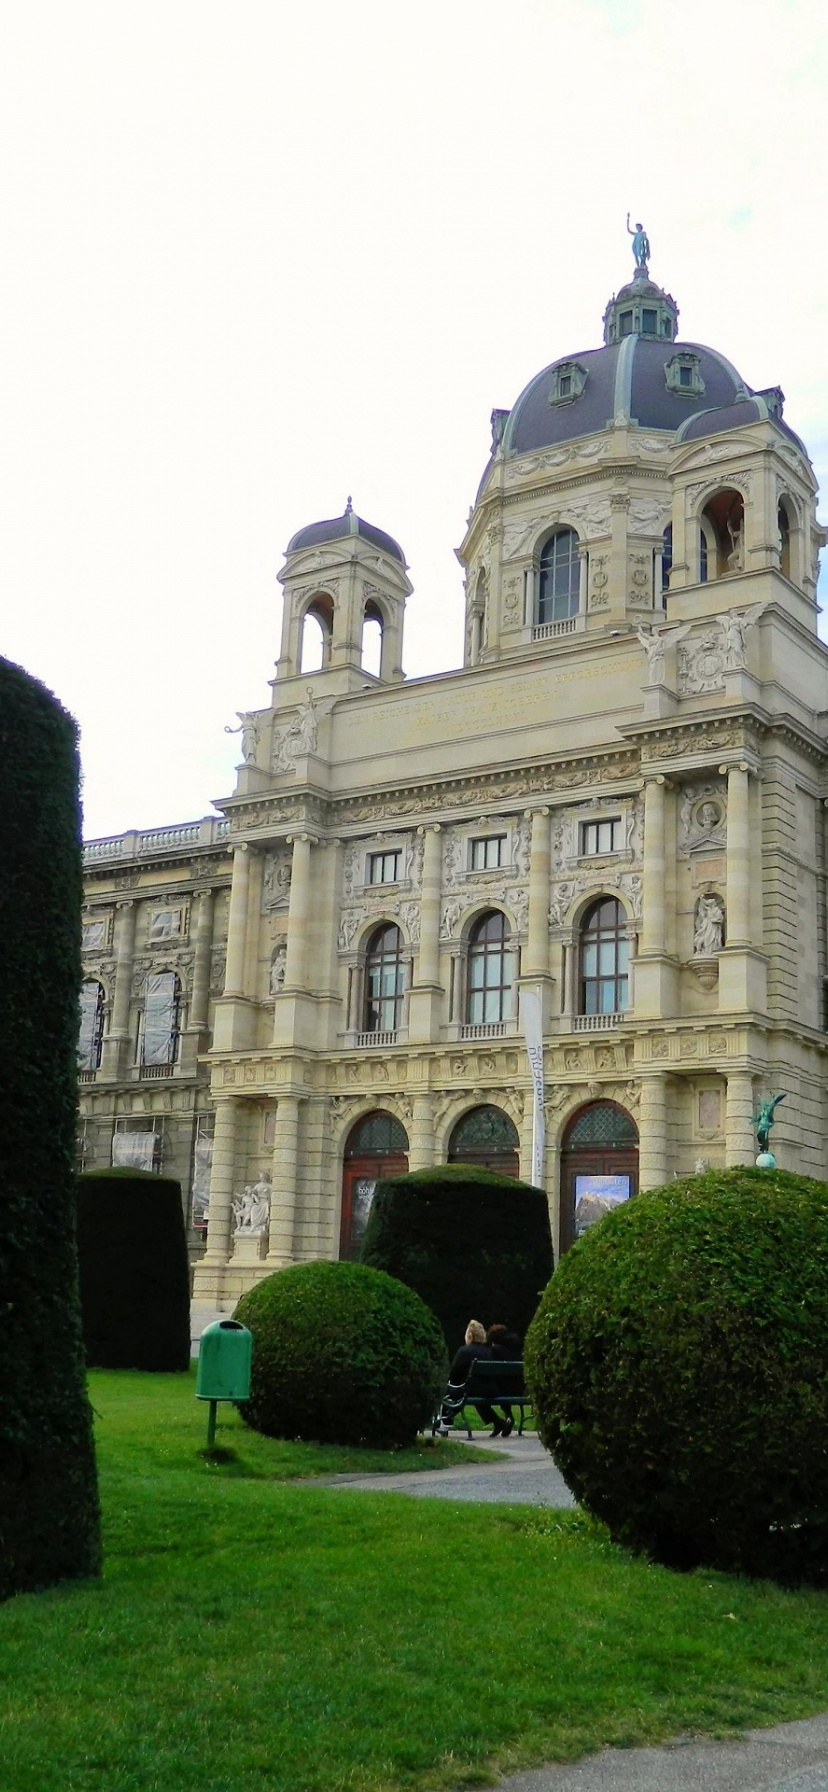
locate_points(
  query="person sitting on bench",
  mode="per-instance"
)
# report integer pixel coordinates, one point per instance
(504, 1347)
(475, 1346)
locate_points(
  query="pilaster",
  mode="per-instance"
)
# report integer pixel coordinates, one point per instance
(740, 1143)
(283, 1176)
(116, 1043)
(426, 995)
(652, 1143)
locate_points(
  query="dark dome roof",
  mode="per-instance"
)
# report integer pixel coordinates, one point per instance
(625, 379)
(338, 527)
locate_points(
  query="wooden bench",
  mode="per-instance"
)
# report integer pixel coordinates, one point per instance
(496, 1383)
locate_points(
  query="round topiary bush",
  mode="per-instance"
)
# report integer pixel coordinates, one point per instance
(341, 1354)
(678, 1365)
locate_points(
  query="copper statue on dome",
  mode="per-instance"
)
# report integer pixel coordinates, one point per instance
(640, 244)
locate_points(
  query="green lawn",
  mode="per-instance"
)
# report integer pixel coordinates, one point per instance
(250, 1633)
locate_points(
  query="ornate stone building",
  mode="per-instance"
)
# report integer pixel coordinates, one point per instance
(618, 801)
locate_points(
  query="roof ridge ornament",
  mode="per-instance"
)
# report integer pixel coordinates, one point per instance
(640, 245)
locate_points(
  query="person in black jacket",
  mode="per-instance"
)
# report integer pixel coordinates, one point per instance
(504, 1347)
(475, 1346)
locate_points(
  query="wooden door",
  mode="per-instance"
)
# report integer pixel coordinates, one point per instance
(360, 1176)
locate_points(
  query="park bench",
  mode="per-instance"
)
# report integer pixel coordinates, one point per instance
(496, 1383)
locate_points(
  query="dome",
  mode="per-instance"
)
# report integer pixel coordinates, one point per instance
(644, 375)
(339, 527)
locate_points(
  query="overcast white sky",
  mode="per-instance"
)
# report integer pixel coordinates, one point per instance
(259, 255)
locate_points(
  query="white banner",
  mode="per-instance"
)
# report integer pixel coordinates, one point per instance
(532, 1019)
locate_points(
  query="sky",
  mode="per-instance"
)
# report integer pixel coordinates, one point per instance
(260, 255)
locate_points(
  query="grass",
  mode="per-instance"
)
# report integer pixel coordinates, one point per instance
(249, 1633)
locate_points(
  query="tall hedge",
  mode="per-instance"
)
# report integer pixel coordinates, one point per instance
(49, 1520)
(134, 1275)
(473, 1244)
(678, 1366)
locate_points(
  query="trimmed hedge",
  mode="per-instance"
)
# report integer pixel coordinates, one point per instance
(49, 1520)
(134, 1274)
(678, 1366)
(473, 1244)
(341, 1354)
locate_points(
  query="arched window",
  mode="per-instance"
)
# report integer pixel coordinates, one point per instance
(316, 632)
(559, 587)
(604, 958)
(487, 1137)
(490, 971)
(90, 1031)
(384, 981)
(666, 560)
(783, 524)
(722, 541)
(377, 1146)
(161, 1019)
(371, 660)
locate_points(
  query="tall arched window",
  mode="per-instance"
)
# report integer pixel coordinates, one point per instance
(90, 1031)
(666, 560)
(559, 587)
(783, 524)
(161, 1019)
(487, 1137)
(384, 981)
(372, 629)
(316, 633)
(490, 971)
(604, 958)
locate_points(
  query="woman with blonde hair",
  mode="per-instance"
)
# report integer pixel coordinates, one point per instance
(475, 1346)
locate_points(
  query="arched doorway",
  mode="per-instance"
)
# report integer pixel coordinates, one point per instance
(377, 1146)
(485, 1136)
(599, 1166)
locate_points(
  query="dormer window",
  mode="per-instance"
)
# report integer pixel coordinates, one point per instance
(568, 382)
(649, 322)
(683, 375)
(626, 323)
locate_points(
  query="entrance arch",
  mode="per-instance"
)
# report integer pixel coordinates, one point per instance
(599, 1166)
(485, 1136)
(376, 1146)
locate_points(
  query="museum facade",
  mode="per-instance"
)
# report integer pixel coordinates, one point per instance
(618, 802)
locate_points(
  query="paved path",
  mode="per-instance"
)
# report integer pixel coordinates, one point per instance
(788, 1758)
(526, 1477)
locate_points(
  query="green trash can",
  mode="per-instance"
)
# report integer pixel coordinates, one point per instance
(225, 1354)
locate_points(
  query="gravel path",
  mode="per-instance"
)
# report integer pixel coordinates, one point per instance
(525, 1477)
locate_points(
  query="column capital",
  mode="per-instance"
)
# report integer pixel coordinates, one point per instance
(129, 901)
(431, 828)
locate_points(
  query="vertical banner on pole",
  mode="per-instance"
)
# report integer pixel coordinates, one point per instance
(531, 1016)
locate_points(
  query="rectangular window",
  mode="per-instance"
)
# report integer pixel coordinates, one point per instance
(565, 385)
(487, 854)
(202, 1166)
(685, 376)
(601, 836)
(626, 323)
(166, 924)
(138, 1143)
(93, 935)
(650, 322)
(384, 868)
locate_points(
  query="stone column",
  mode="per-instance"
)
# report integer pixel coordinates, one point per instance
(652, 885)
(296, 964)
(199, 1004)
(117, 1038)
(741, 1147)
(284, 1168)
(237, 923)
(428, 957)
(222, 1177)
(738, 856)
(421, 1133)
(537, 943)
(652, 1146)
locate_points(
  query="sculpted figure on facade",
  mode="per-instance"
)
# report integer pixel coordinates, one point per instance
(452, 859)
(521, 850)
(735, 627)
(249, 730)
(251, 1209)
(278, 964)
(410, 918)
(640, 243)
(702, 817)
(708, 931)
(349, 927)
(276, 880)
(296, 738)
(449, 919)
(655, 643)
